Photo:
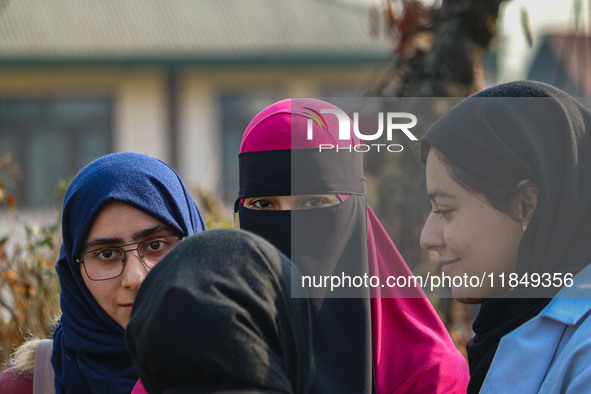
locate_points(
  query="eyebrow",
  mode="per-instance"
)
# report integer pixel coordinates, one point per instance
(136, 236)
(156, 229)
(439, 193)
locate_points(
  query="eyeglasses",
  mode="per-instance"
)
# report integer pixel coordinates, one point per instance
(108, 263)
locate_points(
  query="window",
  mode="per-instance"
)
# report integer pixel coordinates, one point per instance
(51, 139)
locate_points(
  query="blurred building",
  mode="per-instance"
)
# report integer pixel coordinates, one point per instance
(564, 60)
(175, 79)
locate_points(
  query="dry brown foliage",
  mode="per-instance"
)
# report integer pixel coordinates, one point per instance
(29, 287)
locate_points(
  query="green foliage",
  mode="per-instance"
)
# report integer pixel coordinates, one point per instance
(213, 222)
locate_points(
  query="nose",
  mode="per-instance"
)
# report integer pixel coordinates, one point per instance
(284, 203)
(432, 234)
(135, 270)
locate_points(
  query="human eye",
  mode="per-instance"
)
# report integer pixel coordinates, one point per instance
(158, 246)
(261, 203)
(442, 212)
(106, 255)
(314, 202)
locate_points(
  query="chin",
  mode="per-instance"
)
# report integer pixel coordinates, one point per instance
(123, 321)
(470, 301)
(470, 295)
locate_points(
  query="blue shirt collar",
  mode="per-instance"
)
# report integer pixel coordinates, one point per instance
(571, 304)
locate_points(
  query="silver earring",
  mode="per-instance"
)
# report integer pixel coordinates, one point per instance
(524, 227)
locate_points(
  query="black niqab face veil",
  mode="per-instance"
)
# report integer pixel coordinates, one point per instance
(216, 315)
(276, 159)
(505, 134)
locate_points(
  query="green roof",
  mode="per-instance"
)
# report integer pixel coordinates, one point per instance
(187, 31)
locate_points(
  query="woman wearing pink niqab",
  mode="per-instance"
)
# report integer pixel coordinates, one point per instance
(367, 338)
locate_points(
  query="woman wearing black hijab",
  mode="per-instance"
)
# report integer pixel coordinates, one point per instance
(312, 206)
(509, 179)
(218, 316)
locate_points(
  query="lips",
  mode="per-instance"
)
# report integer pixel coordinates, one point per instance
(447, 265)
(127, 306)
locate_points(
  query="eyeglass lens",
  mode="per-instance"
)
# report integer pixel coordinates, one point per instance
(107, 263)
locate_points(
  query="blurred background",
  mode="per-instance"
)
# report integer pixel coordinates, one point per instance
(180, 80)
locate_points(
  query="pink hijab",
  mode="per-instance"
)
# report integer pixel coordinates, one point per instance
(411, 349)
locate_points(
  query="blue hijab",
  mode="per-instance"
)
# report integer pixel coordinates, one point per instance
(89, 354)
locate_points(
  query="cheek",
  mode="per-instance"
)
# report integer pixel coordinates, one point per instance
(493, 247)
(102, 294)
(460, 236)
(471, 245)
(102, 291)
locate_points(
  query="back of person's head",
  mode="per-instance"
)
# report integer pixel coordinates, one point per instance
(216, 315)
(219, 390)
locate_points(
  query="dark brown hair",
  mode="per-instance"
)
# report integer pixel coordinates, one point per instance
(500, 195)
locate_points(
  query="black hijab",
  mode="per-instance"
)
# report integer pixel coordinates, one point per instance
(502, 135)
(216, 315)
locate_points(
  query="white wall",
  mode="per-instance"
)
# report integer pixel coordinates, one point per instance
(141, 113)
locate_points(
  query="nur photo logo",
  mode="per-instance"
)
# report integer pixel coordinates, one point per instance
(390, 122)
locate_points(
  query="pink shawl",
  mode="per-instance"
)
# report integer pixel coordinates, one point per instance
(412, 351)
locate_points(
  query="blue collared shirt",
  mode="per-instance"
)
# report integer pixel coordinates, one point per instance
(550, 353)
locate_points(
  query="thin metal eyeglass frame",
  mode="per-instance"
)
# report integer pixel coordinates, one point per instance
(124, 258)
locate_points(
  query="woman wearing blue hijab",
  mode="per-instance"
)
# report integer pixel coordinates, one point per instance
(121, 214)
